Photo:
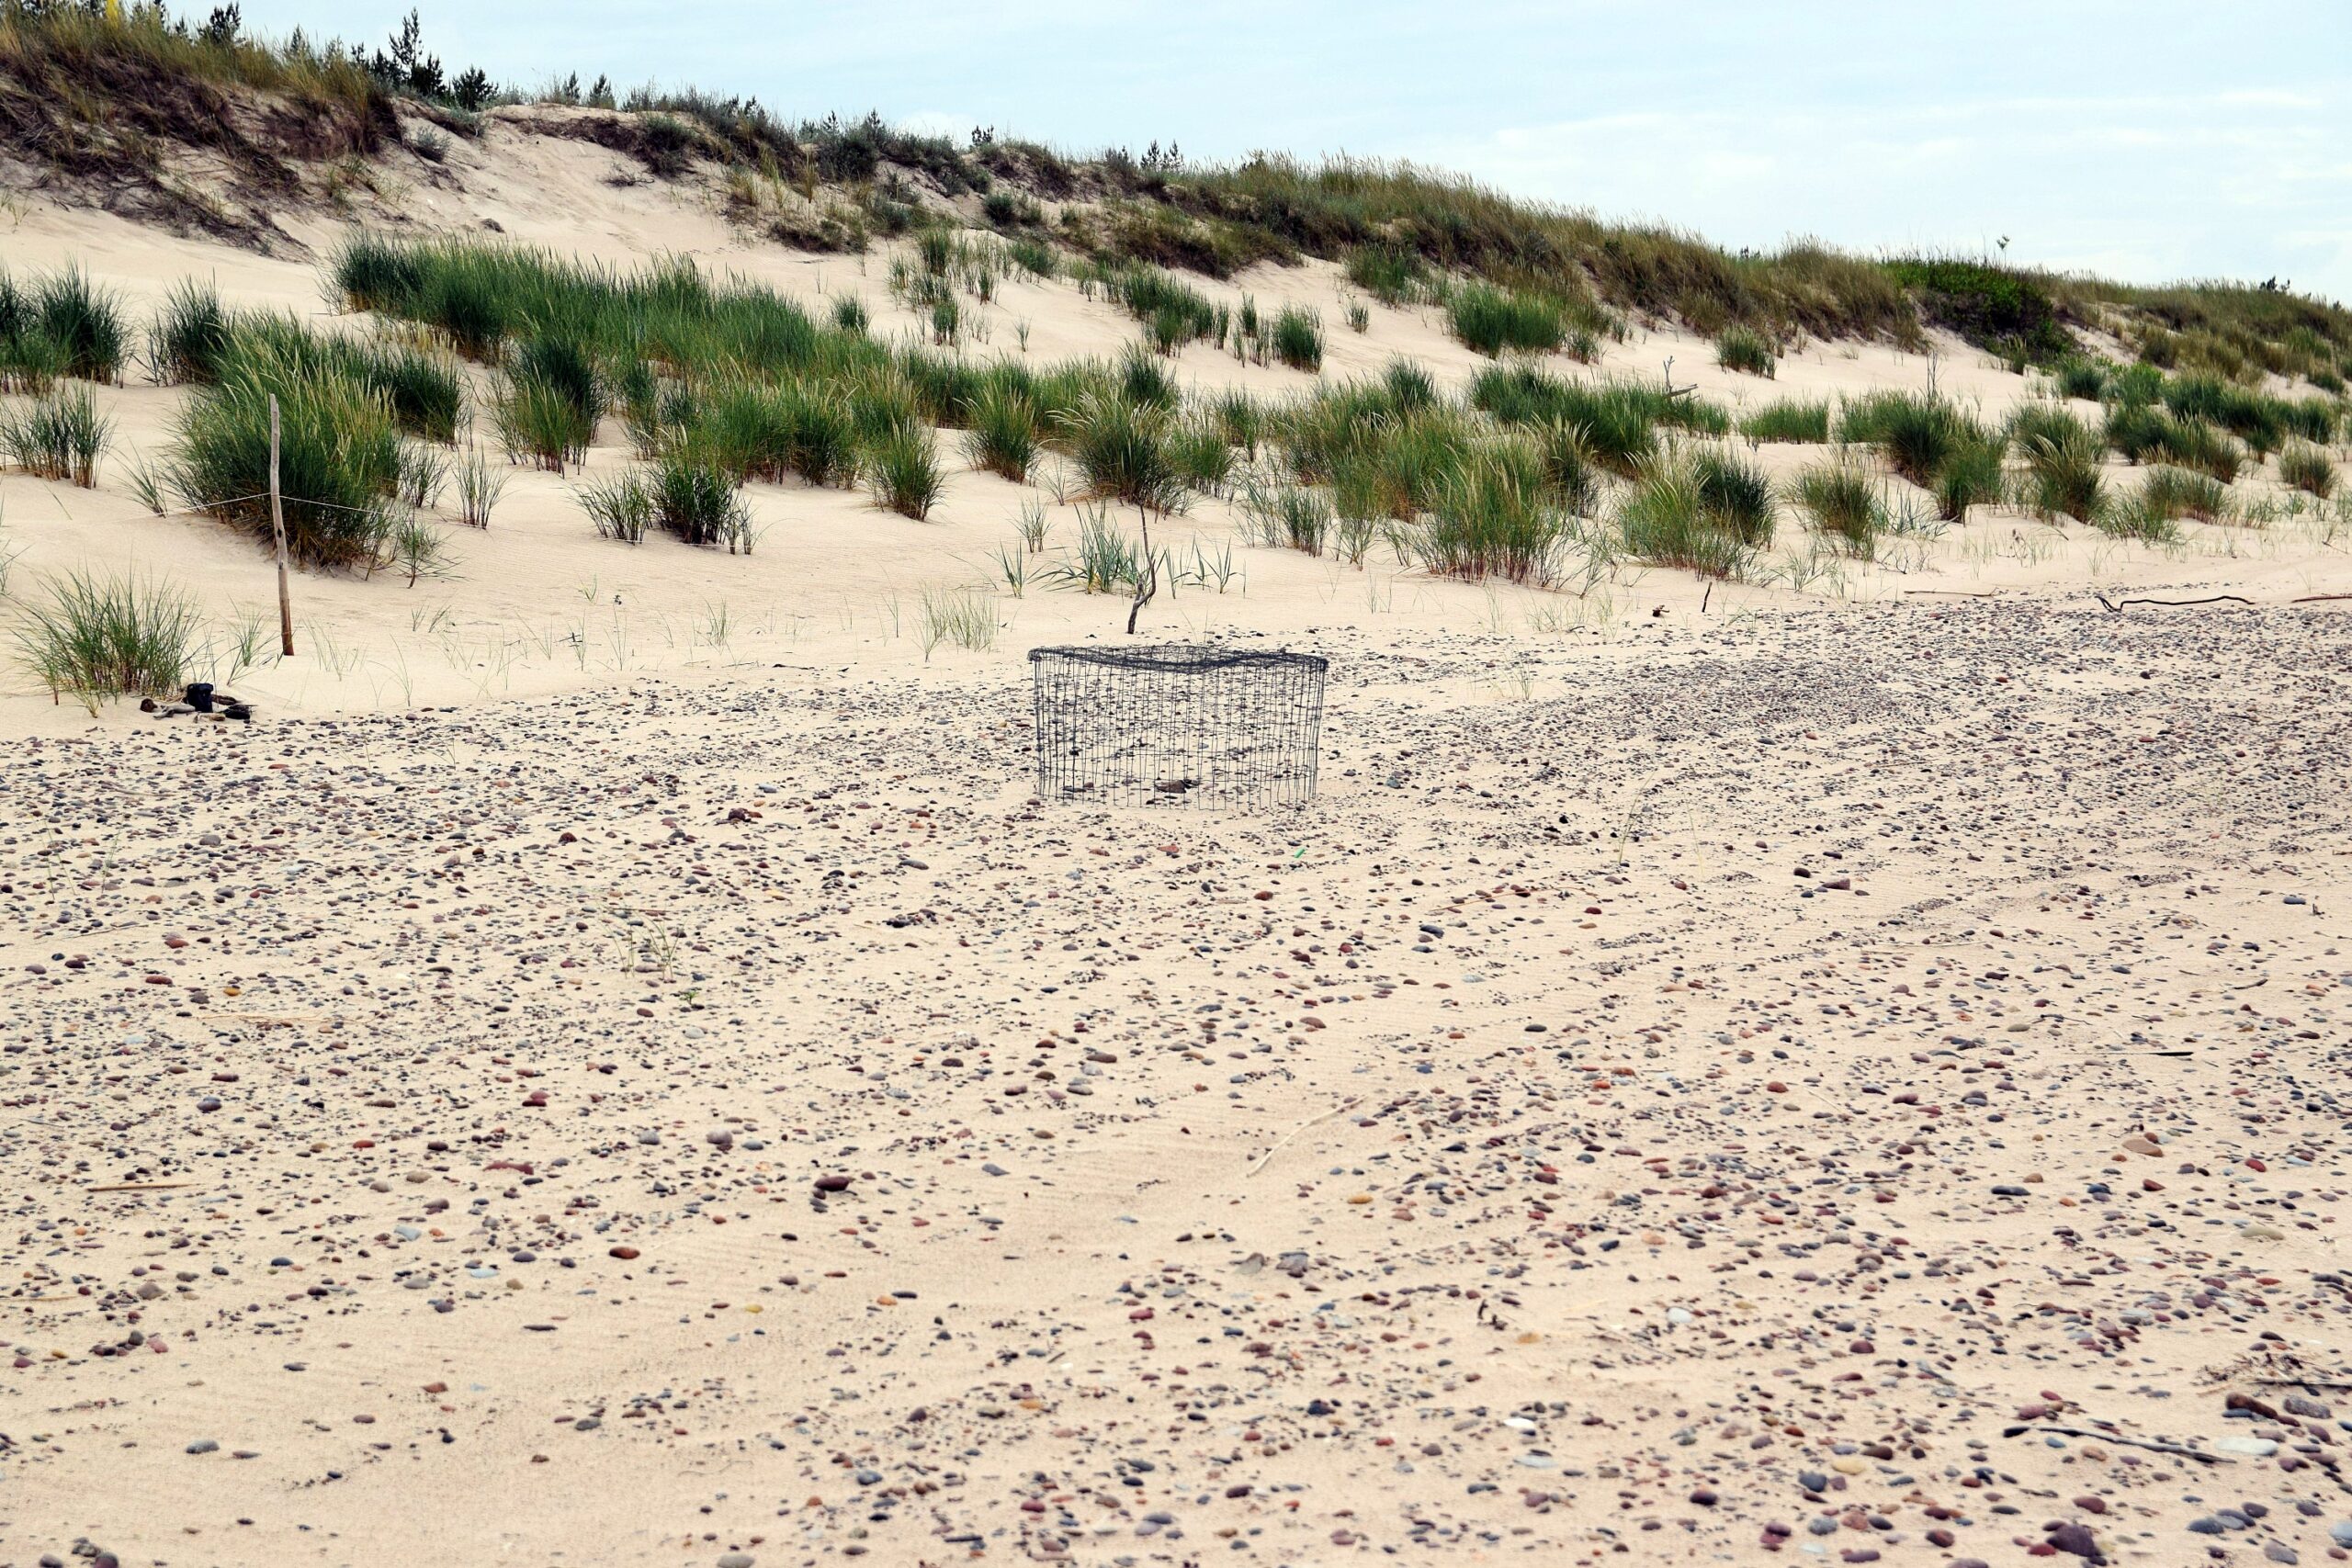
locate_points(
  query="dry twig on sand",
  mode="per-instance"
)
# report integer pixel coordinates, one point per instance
(1304, 1126)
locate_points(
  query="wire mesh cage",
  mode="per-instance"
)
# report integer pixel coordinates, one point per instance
(1177, 726)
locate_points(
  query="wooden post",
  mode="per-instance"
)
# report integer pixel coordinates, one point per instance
(277, 526)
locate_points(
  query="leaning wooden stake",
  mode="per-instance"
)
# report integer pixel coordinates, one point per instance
(277, 526)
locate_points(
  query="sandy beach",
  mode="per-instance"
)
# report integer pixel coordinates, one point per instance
(615, 1065)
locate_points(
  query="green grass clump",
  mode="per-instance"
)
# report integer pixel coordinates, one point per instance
(58, 435)
(2061, 476)
(1569, 470)
(340, 455)
(2078, 378)
(619, 508)
(2306, 467)
(1240, 419)
(1122, 453)
(1619, 422)
(478, 488)
(102, 636)
(1197, 449)
(903, 473)
(1667, 518)
(2134, 430)
(961, 618)
(2309, 419)
(2193, 444)
(1034, 257)
(1491, 320)
(1108, 561)
(1915, 433)
(1173, 312)
(2141, 432)
(2169, 492)
(1847, 501)
(1736, 494)
(565, 367)
(696, 502)
(1389, 274)
(1743, 348)
(1296, 517)
(1788, 420)
(1143, 381)
(1005, 432)
(1494, 516)
(2041, 421)
(536, 421)
(820, 439)
(1970, 475)
(1298, 339)
(188, 339)
(61, 324)
(2258, 421)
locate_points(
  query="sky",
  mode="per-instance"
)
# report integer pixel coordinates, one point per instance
(2149, 141)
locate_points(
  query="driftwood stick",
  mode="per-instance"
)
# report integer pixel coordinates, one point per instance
(2098, 1436)
(1953, 593)
(2319, 598)
(2214, 599)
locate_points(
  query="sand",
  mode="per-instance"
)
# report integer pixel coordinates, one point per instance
(1847, 1075)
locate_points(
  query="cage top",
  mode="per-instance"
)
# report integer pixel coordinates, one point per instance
(1180, 659)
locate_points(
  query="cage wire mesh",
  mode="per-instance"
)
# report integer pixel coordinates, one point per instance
(1177, 726)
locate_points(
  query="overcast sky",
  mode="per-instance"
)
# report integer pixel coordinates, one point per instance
(2149, 140)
